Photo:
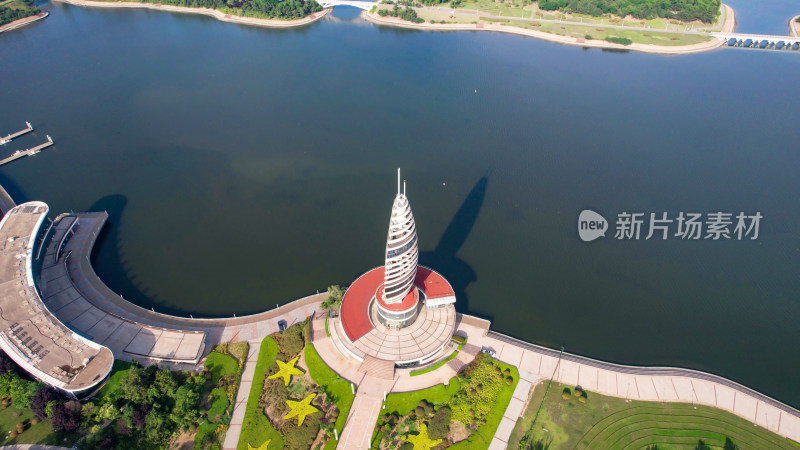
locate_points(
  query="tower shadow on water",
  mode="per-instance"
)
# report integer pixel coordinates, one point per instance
(444, 257)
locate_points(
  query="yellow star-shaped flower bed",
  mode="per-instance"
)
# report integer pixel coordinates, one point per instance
(260, 447)
(422, 441)
(286, 370)
(300, 409)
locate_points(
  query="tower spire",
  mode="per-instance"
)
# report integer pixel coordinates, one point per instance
(398, 180)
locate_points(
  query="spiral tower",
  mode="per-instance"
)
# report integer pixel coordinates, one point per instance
(401, 250)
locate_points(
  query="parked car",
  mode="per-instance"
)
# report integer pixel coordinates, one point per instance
(489, 352)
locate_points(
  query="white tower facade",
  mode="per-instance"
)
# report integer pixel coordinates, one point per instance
(402, 252)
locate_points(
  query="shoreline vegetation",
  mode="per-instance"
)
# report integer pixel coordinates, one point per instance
(16, 13)
(225, 15)
(585, 35)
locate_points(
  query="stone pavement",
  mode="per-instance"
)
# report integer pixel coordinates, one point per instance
(235, 428)
(364, 413)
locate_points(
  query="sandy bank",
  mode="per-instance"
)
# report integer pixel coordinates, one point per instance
(24, 21)
(794, 26)
(219, 15)
(728, 26)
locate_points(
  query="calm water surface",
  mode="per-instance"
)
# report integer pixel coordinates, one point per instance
(244, 167)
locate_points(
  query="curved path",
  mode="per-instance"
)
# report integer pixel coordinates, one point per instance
(78, 296)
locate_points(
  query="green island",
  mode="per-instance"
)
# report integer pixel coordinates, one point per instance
(11, 10)
(564, 417)
(281, 390)
(261, 9)
(621, 22)
(465, 413)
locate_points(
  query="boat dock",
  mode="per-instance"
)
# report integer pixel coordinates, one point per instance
(7, 139)
(30, 151)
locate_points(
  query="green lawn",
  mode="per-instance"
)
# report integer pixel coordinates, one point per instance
(41, 433)
(256, 427)
(461, 342)
(610, 422)
(220, 365)
(118, 372)
(435, 366)
(337, 388)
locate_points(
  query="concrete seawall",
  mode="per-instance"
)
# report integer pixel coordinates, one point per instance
(6, 202)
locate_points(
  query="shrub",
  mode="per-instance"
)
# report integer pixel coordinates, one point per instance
(578, 392)
(566, 394)
(509, 380)
(582, 399)
(439, 426)
(619, 40)
(588, 37)
(13, 434)
(420, 411)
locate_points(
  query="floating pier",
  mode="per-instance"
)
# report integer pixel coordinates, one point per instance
(30, 151)
(7, 139)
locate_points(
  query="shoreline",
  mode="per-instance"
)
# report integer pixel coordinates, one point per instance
(219, 15)
(794, 26)
(24, 21)
(728, 26)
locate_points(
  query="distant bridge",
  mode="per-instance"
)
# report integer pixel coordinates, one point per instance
(366, 6)
(758, 40)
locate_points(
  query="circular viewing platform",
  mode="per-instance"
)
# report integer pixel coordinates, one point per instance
(358, 333)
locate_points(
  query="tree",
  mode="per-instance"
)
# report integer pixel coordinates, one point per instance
(335, 295)
(134, 386)
(163, 388)
(66, 418)
(186, 411)
(6, 364)
(43, 396)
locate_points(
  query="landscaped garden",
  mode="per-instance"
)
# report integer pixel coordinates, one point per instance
(289, 407)
(573, 418)
(465, 413)
(137, 407)
(223, 369)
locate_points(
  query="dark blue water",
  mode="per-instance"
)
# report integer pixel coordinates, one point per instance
(244, 167)
(764, 16)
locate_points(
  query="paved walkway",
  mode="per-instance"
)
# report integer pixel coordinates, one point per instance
(235, 428)
(363, 415)
(660, 384)
(101, 304)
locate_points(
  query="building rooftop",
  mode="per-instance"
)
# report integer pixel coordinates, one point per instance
(35, 339)
(355, 313)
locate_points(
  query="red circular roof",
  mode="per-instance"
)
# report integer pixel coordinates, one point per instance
(354, 312)
(409, 301)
